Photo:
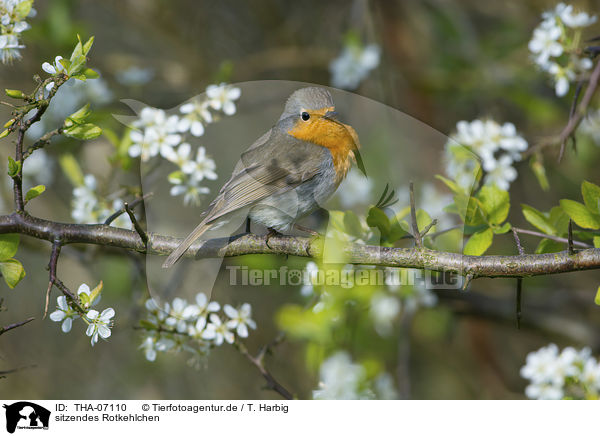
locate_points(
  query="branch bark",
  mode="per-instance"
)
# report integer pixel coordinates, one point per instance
(473, 266)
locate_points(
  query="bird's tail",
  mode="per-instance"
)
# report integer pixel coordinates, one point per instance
(187, 242)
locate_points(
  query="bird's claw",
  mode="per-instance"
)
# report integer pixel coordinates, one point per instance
(272, 232)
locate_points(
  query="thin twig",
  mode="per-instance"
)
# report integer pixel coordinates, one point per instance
(428, 227)
(54, 280)
(575, 119)
(413, 217)
(136, 224)
(552, 237)
(15, 325)
(258, 362)
(132, 205)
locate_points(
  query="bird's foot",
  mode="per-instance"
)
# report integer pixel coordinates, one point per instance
(314, 235)
(307, 230)
(272, 232)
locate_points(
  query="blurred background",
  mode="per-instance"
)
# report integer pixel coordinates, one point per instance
(425, 66)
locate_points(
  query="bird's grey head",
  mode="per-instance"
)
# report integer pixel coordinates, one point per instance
(311, 98)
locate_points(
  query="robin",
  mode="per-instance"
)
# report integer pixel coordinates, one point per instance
(289, 171)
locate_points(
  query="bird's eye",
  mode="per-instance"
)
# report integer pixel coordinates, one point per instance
(305, 116)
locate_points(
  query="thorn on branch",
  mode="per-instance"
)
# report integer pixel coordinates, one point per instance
(518, 301)
(467, 281)
(413, 217)
(570, 241)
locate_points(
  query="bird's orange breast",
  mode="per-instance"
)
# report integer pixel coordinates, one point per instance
(339, 138)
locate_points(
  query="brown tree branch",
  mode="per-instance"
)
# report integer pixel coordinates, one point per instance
(470, 266)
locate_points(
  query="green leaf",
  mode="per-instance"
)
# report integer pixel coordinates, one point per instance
(83, 131)
(71, 169)
(451, 184)
(479, 242)
(14, 93)
(560, 220)
(13, 167)
(506, 227)
(549, 246)
(495, 202)
(423, 220)
(580, 214)
(88, 45)
(12, 271)
(538, 219)
(597, 241)
(591, 196)
(469, 209)
(378, 219)
(597, 299)
(81, 115)
(90, 74)
(34, 192)
(66, 64)
(8, 245)
(96, 291)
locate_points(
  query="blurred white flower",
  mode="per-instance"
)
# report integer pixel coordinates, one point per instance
(340, 379)
(384, 310)
(158, 134)
(385, 388)
(12, 23)
(189, 187)
(545, 43)
(501, 173)
(553, 38)
(100, 324)
(240, 319)
(355, 189)
(571, 373)
(217, 332)
(310, 276)
(176, 318)
(203, 167)
(498, 146)
(64, 313)
(88, 208)
(221, 97)
(353, 65)
(197, 114)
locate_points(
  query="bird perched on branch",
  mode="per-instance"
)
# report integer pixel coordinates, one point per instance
(289, 171)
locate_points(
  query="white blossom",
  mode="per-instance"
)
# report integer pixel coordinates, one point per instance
(196, 114)
(64, 313)
(176, 318)
(100, 324)
(570, 373)
(188, 186)
(217, 331)
(221, 97)
(240, 319)
(497, 146)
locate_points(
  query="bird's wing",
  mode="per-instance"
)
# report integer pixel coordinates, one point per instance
(278, 165)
